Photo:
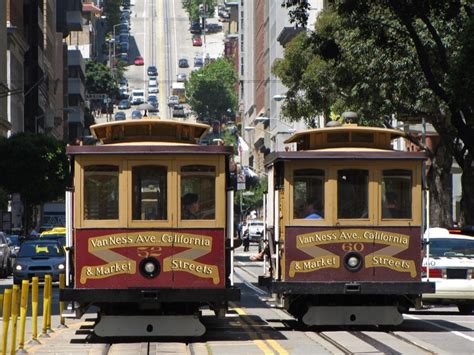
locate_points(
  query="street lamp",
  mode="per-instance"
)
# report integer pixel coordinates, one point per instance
(112, 41)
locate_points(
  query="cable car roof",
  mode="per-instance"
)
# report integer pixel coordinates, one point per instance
(149, 130)
(346, 136)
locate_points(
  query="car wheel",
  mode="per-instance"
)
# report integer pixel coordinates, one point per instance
(465, 308)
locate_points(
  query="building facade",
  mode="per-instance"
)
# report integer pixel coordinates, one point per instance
(265, 30)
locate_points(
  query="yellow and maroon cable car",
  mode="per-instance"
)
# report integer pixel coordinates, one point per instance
(150, 230)
(346, 213)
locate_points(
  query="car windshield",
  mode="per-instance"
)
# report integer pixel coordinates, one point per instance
(60, 237)
(31, 250)
(451, 247)
(14, 240)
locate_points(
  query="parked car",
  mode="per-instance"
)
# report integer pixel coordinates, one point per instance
(178, 111)
(152, 86)
(123, 47)
(197, 41)
(152, 97)
(173, 100)
(136, 115)
(195, 27)
(213, 27)
(39, 258)
(123, 57)
(152, 100)
(255, 228)
(123, 94)
(183, 63)
(124, 104)
(198, 62)
(14, 241)
(5, 255)
(123, 83)
(139, 60)
(152, 71)
(120, 116)
(451, 263)
(181, 77)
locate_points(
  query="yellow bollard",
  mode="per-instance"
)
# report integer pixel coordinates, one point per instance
(1, 303)
(14, 318)
(44, 332)
(62, 284)
(49, 282)
(34, 311)
(7, 303)
(25, 286)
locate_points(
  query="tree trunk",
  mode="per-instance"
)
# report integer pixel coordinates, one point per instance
(440, 186)
(467, 198)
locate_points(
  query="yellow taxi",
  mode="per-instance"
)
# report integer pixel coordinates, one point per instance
(57, 233)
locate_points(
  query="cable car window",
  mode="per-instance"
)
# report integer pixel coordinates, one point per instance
(101, 192)
(308, 194)
(396, 193)
(352, 193)
(198, 197)
(149, 193)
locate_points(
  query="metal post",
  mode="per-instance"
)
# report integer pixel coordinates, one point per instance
(110, 57)
(276, 228)
(264, 236)
(230, 231)
(69, 199)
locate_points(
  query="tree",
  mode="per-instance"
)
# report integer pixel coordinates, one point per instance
(192, 8)
(113, 13)
(34, 165)
(211, 92)
(99, 79)
(435, 39)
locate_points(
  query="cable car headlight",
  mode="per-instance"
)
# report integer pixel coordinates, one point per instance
(353, 261)
(150, 267)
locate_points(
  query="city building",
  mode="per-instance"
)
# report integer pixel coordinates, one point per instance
(16, 49)
(4, 88)
(265, 30)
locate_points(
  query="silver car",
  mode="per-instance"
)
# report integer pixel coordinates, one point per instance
(5, 255)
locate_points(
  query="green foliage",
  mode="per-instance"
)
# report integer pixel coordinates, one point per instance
(35, 165)
(99, 79)
(395, 57)
(211, 91)
(338, 69)
(192, 8)
(254, 201)
(113, 13)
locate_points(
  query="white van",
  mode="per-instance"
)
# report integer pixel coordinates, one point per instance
(138, 96)
(255, 228)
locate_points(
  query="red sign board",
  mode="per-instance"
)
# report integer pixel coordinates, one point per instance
(187, 258)
(320, 254)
